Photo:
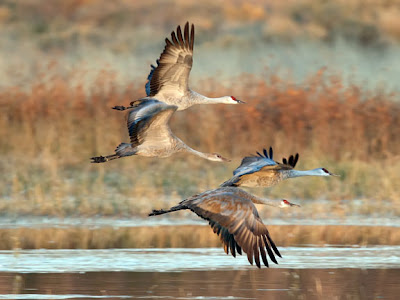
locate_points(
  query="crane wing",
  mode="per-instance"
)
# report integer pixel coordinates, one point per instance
(264, 162)
(251, 164)
(235, 219)
(148, 122)
(174, 65)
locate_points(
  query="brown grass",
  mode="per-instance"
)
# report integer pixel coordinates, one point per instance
(188, 237)
(58, 22)
(48, 134)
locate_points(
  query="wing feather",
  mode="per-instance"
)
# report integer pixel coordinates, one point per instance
(174, 65)
(251, 164)
(256, 253)
(235, 219)
(149, 120)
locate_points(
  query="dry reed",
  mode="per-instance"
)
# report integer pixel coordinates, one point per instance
(49, 133)
(188, 237)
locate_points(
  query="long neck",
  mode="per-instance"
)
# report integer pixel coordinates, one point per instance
(197, 98)
(258, 200)
(186, 148)
(298, 173)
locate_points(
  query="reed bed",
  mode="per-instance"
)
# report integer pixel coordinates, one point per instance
(191, 236)
(49, 132)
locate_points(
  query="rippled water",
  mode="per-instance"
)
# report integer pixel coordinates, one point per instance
(207, 273)
(185, 259)
(54, 222)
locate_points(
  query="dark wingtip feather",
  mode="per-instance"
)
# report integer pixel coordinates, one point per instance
(273, 246)
(192, 37)
(168, 42)
(250, 256)
(263, 255)
(296, 159)
(256, 255)
(173, 36)
(238, 249)
(179, 36)
(187, 37)
(232, 246)
(271, 153)
(270, 253)
(291, 159)
(265, 153)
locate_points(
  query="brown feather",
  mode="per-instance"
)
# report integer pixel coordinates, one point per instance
(233, 217)
(175, 63)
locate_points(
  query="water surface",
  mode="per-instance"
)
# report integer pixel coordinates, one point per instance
(229, 284)
(200, 273)
(189, 259)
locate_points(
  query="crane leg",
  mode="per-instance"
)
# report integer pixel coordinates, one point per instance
(156, 212)
(121, 107)
(102, 159)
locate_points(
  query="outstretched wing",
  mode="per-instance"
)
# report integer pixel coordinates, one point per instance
(251, 164)
(174, 65)
(148, 122)
(235, 219)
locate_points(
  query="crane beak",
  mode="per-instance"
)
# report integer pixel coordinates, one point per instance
(240, 101)
(290, 203)
(226, 159)
(336, 175)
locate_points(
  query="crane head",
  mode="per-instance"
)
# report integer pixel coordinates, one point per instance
(285, 203)
(325, 172)
(218, 157)
(236, 101)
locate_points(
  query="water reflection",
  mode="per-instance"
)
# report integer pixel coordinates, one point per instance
(234, 284)
(185, 259)
(302, 273)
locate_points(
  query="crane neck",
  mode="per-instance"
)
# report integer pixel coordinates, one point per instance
(269, 202)
(186, 148)
(300, 173)
(200, 99)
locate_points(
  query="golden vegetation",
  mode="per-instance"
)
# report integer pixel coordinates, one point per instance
(188, 237)
(59, 21)
(49, 132)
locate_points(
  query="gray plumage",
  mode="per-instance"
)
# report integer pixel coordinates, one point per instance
(169, 80)
(232, 215)
(150, 134)
(262, 171)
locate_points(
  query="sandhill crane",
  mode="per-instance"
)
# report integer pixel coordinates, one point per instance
(150, 134)
(263, 171)
(232, 215)
(168, 81)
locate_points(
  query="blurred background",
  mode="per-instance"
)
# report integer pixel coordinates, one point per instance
(320, 78)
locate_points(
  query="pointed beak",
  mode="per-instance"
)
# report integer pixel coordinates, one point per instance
(336, 175)
(226, 159)
(291, 204)
(240, 101)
